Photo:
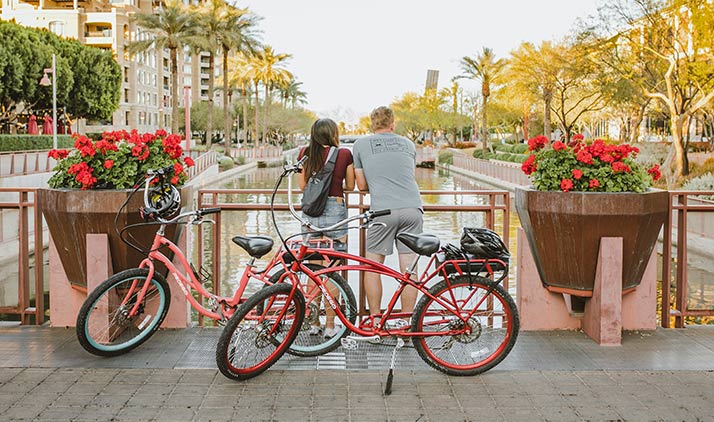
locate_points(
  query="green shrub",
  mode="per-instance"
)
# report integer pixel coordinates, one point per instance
(704, 182)
(33, 142)
(446, 157)
(240, 160)
(478, 153)
(519, 148)
(225, 163)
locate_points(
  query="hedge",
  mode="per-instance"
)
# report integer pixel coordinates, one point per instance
(33, 142)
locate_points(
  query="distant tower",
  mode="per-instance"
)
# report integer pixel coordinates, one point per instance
(432, 79)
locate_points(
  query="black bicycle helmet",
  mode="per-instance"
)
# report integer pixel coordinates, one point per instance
(163, 202)
(484, 243)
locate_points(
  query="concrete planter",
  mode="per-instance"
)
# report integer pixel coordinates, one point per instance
(564, 231)
(72, 214)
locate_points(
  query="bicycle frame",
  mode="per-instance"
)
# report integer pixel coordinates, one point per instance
(366, 326)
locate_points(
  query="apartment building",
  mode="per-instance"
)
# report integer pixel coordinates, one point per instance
(145, 99)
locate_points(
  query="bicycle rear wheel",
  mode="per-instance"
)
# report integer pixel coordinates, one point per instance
(247, 345)
(104, 327)
(312, 339)
(492, 325)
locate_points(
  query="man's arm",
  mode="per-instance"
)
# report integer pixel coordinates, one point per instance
(361, 181)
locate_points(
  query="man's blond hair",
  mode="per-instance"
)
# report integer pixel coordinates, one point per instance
(382, 118)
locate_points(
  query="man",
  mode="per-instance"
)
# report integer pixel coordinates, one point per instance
(384, 165)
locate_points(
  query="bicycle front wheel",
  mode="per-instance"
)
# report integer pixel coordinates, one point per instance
(314, 339)
(247, 345)
(104, 324)
(491, 316)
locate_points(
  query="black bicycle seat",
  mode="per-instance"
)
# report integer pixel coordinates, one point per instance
(423, 244)
(256, 246)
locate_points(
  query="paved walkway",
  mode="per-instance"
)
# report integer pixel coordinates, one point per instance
(554, 376)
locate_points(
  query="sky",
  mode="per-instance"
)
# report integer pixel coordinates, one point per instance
(354, 55)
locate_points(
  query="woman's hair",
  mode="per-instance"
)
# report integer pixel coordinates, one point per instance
(323, 133)
(381, 118)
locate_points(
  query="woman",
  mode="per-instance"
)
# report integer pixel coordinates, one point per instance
(323, 135)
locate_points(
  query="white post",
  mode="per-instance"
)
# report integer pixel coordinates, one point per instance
(54, 102)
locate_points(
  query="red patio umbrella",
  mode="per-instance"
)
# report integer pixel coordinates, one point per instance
(32, 128)
(47, 125)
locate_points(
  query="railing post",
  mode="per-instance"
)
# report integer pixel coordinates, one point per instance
(667, 265)
(681, 294)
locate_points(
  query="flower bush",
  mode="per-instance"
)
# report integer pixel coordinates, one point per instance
(117, 160)
(577, 166)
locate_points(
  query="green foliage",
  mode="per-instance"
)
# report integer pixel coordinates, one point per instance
(33, 142)
(88, 78)
(225, 163)
(240, 160)
(446, 158)
(702, 183)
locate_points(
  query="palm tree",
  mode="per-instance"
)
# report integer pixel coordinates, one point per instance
(172, 27)
(237, 34)
(291, 93)
(486, 68)
(269, 71)
(242, 79)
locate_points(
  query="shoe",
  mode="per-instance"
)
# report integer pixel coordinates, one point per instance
(314, 330)
(331, 332)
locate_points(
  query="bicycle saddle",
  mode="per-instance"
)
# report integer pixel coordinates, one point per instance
(423, 244)
(256, 246)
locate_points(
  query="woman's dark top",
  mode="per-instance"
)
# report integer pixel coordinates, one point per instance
(344, 159)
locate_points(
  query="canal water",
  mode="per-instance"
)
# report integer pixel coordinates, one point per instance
(446, 225)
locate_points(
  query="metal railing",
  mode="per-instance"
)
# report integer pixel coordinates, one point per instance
(681, 206)
(202, 161)
(502, 170)
(494, 201)
(25, 162)
(257, 153)
(24, 204)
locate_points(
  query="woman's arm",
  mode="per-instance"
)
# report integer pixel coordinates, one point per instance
(350, 177)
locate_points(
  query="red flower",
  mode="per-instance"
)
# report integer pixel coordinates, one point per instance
(189, 161)
(160, 133)
(577, 174)
(534, 144)
(566, 185)
(529, 165)
(654, 172)
(58, 154)
(619, 167)
(584, 157)
(578, 137)
(594, 183)
(108, 164)
(558, 146)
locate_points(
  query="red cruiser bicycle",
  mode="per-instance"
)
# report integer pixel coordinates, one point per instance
(464, 323)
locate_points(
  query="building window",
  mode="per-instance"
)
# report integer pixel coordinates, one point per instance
(126, 119)
(57, 28)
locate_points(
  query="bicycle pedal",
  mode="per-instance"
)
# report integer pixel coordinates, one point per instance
(370, 339)
(348, 343)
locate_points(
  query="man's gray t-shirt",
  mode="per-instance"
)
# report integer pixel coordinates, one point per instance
(388, 161)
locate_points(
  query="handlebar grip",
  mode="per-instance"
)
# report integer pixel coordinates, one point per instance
(205, 211)
(381, 213)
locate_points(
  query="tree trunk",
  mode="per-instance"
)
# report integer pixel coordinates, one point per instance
(211, 86)
(484, 124)
(547, 98)
(680, 157)
(226, 114)
(174, 91)
(244, 100)
(257, 106)
(266, 113)
(526, 121)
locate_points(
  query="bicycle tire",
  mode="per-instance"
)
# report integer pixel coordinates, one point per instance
(246, 348)
(108, 332)
(307, 343)
(493, 331)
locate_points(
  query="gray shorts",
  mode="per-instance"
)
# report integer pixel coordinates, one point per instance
(380, 239)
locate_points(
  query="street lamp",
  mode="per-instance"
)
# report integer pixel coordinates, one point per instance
(45, 81)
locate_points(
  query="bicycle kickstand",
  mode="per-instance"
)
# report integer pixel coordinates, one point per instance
(390, 376)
